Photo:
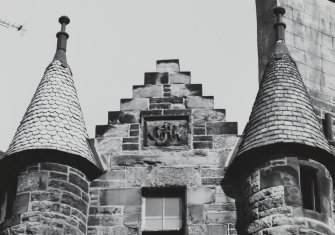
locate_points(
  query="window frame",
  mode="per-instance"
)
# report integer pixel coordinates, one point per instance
(165, 192)
(3, 203)
(309, 185)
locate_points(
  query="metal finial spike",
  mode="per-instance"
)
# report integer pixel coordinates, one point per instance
(62, 37)
(279, 10)
(279, 25)
(64, 20)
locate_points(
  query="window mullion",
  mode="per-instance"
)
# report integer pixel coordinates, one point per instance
(163, 210)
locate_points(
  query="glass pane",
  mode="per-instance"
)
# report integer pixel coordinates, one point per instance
(153, 223)
(172, 223)
(153, 206)
(172, 206)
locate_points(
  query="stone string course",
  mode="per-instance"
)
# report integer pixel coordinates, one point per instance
(116, 196)
(51, 199)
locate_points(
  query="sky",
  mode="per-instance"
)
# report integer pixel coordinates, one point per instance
(114, 42)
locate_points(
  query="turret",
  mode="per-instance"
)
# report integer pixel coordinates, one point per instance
(282, 174)
(46, 169)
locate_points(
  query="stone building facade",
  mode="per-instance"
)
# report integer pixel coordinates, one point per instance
(169, 162)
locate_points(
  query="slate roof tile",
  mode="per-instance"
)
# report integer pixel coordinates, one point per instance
(54, 119)
(282, 112)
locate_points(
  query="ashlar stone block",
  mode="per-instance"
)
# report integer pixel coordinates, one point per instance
(181, 78)
(181, 90)
(170, 66)
(134, 104)
(200, 195)
(122, 196)
(200, 102)
(147, 91)
(156, 78)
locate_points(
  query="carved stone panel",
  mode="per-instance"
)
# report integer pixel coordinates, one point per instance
(164, 132)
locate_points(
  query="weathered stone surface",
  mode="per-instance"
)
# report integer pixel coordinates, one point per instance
(147, 91)
(136, 176)
(203, 138)
(225, 141)
(172, 100)
(74, 201)
(156, 78)
(66, 186)
(217, 229)
(221, 217)
(130, 147)
(174, 176)
(31, 181)
(198, 229)
(123, 196)
(200, 195)
(113, 175)
(219, 128)
(212, 172)
(134, 104)
(121, 117)
(170, 66)
(108, 145)
(181, 77)
(130, 140)
(44, 206)
(21, 203)
(79, 181)
(203, 145)
(160, 106)
(104, 220)
(199, 131)
(183, 90)
(204, 115)
(119, 130)
(199, 102)
(54, 167)
(196, 214)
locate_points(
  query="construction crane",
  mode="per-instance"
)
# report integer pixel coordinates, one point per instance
(9, 24)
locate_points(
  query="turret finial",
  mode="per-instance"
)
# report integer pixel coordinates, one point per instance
(62, 40)
(279, 26)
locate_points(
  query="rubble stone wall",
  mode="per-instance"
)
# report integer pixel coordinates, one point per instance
(271, 201)
(50, 199)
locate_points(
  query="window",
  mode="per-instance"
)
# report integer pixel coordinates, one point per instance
(309, 188)
(163, 211)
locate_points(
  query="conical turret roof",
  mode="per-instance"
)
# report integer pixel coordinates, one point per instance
(282, 120)
(54, 119)
(282, 112)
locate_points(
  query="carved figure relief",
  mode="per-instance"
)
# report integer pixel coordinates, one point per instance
(167, 133)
